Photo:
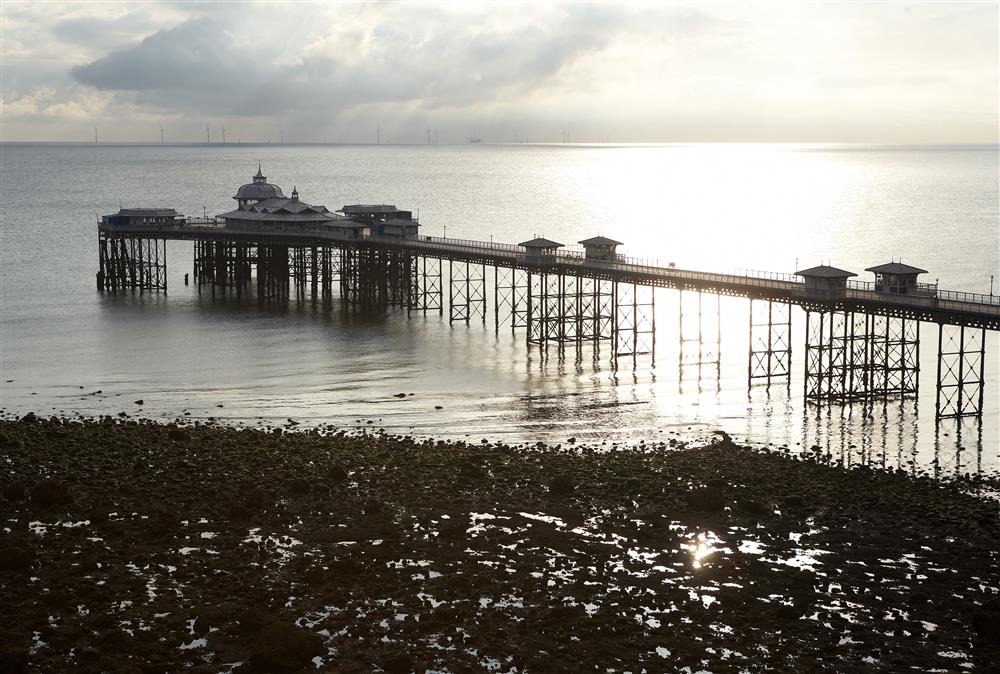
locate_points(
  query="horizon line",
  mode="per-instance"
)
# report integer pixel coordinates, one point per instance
(994, 143)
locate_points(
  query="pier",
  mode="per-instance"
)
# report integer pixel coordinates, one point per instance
(862, 337)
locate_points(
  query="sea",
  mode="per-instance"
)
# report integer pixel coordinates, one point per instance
(68, 349)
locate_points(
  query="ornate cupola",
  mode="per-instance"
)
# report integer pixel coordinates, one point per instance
(257, 190)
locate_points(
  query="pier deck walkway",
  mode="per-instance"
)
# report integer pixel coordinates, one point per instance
(933, 305)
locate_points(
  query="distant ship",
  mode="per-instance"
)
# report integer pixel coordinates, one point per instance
(475, 139)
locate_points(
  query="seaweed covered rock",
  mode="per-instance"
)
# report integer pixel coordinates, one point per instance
(706, 499)
(281, 647)
(50, 493)
(561, 485)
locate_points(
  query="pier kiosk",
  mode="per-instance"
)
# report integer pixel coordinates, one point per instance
(143, 218)
(383, 219)
(825, 281)
(600, 248)
(541, 250)
(896, 277)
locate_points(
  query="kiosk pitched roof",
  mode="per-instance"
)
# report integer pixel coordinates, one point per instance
(825, 271)
(368, 209)
(600, 241)
(896, 268)
(541, 243)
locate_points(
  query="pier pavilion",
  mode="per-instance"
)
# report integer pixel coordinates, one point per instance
(262, 205)
(862, 338)
(896, 277)
(383, 219)
(600, 248)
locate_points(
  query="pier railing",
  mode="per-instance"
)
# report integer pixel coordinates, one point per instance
(926, 295)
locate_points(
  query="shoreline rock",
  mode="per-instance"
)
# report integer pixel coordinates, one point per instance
(243, 545)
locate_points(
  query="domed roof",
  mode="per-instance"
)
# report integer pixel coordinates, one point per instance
(258, 189)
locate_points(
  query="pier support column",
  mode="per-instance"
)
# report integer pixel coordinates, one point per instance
(894, 355)
(364, 276)
(554, 310)
(560, 309)
(603, 299)
(329, 270)
(592, 311)
(399, 275)
(298, 271)
(199, 263)
(221, 265)
(132, 263)
(427, 287)
(770, 342)
(856, 341)
(537, 317)
(349, 291)
(700, 344)
(634, 332)
(858, 355)
(466, 291)
(370, 282)
(272, 272)
(510, 298)
(224, 265)
(826, 356)
(314, 271)
(960, 369)
(241, 267)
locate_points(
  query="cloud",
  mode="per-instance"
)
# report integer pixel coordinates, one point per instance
(104, 33)
(191, 57)
(428, 57)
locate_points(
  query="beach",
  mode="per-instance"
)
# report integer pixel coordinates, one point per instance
(141, 546)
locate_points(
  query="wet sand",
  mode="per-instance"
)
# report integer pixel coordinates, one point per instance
(151, 548)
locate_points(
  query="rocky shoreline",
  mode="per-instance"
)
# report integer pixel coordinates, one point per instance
(144, 547)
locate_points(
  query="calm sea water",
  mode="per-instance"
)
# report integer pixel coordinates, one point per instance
(713, 207)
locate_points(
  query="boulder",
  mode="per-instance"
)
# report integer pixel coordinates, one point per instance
(986, 622)
(471, 471)
(15, 558)
(794, 501)
(397, 664)
(282, 647)
(707, 499)
(298, 486)
(14, 492)
(561, 485)
(50, 493)
(14, 661)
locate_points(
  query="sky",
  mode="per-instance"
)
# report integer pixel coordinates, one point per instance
(887, 72)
